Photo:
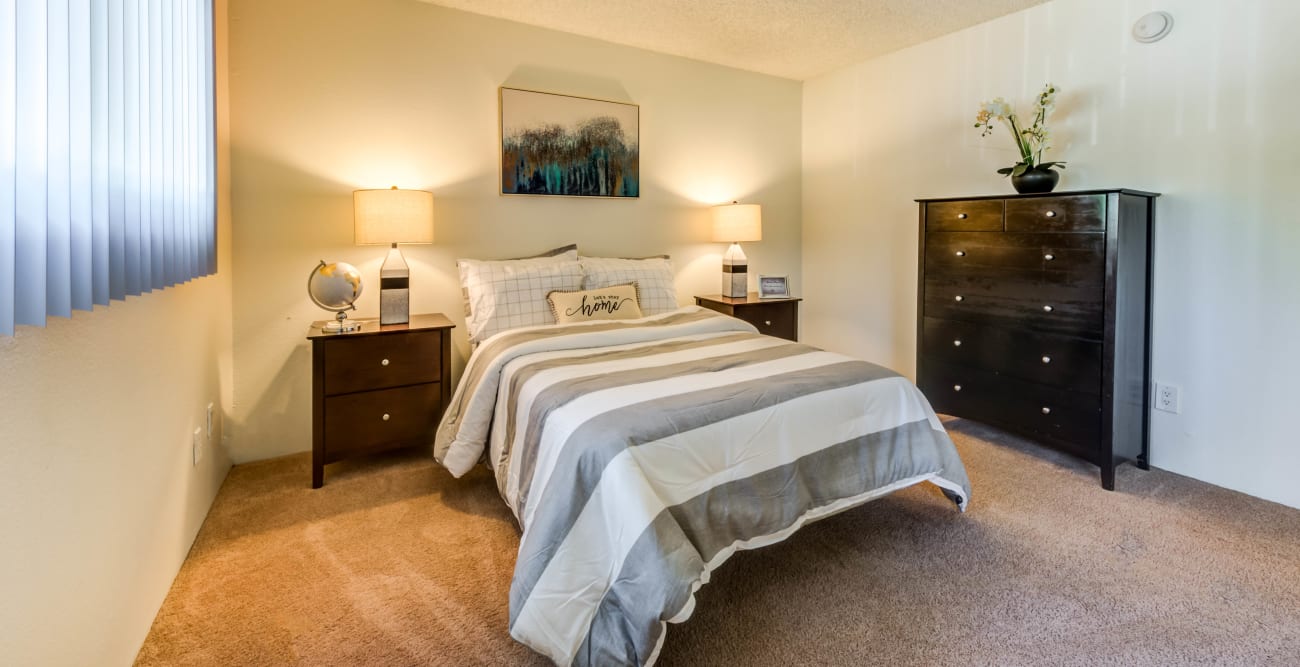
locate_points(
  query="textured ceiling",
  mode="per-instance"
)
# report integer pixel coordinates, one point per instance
(796, 39)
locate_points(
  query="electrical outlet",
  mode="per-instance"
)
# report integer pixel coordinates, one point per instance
(198, 445)
(209, 431)
(1168, 398)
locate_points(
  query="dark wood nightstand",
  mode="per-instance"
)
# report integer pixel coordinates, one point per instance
(379, 388)
(774, 317)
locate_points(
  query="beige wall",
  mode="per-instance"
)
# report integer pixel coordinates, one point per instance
(1206, 117)
(99, 499)
(333, 95)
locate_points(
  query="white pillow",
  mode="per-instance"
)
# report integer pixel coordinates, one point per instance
(512, 293)
(567, 253)
(653, 277)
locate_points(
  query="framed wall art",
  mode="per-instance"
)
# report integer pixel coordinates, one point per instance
(568, 146)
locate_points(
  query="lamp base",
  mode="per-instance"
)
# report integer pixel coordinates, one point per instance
(735, 276)
(394, 289)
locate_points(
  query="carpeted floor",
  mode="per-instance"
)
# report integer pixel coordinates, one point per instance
(393, 562)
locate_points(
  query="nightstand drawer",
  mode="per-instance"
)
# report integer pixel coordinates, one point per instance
(377, 362)
(382, 419)
(775, 319)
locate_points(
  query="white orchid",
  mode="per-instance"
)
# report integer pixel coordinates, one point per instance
(1031, 141)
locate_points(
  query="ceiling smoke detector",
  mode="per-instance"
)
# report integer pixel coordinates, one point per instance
(1153, 27)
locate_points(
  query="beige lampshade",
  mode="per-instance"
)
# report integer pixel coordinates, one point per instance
(735, 223)
(389, 216)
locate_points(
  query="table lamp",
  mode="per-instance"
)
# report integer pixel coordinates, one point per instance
(734, 223)
(389, 217)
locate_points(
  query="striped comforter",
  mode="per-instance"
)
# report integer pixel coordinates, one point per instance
(639, 455)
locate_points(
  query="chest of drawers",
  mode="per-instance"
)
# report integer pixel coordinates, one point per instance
(1034, 315)
(379, 388)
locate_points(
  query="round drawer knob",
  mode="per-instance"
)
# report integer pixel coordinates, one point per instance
(1049, 257)
(960, 298)
(383, 363)
(961, 216)
(1047, 360)
(386, 416)
(1047, 309)
(767, 323)
(1047, 411)
(961, 253)
(1051, 214)
(956, 387)
(956, 343)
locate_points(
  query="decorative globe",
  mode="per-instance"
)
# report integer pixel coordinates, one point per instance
(335, 287)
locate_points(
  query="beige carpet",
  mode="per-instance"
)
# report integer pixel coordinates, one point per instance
(393, 562)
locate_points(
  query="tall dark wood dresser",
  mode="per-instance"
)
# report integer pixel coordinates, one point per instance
(1034, 315)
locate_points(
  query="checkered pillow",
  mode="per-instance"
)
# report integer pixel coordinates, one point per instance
(653, 276)
(567, 253)
(512, 293)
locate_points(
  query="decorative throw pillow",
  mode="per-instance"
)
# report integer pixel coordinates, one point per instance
(568, 253)
(653, 277)
(617, 302)
(512, 294)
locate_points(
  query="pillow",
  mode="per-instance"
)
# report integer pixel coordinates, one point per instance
(607, 303)
(653, 277)
(511, 294)
(568, 253)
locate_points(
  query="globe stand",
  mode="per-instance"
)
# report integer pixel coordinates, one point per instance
(341, 324)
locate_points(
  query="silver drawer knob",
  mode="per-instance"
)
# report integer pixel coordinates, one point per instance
(956, 343)
(386, 417)
(960, 297)
(1047, 411)
(956, 387)
(1047, 309)
(1049, 257)
(1047, 360)
(383, 363)
(961, 216)
(1051, 214)
(961, 253)
(767, 323)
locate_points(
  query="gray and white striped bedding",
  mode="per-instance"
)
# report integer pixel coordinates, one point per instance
(639, 455)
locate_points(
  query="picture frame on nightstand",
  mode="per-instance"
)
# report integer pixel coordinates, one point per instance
(773, 287)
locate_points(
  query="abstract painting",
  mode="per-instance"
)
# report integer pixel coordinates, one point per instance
(568, 146)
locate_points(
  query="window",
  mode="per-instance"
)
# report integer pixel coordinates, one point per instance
(107, 152)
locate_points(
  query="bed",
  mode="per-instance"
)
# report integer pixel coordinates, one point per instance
(638, 455)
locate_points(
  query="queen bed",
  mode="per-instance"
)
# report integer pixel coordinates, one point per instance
(638, 455)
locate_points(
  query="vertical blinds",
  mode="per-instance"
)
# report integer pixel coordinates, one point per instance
(107, 152)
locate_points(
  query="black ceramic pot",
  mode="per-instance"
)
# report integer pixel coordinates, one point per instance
(1036, 180)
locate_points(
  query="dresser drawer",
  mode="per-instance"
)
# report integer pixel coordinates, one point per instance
(374, 420)
(1069, 420)
(981, 215)
(377, 362)
(1064, 259)
(1054, 361)
(1077, 213)
(1016, 304)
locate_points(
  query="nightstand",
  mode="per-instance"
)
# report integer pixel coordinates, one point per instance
(379, 388)
(774, 317)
